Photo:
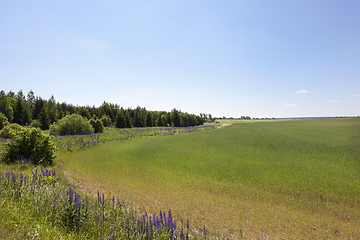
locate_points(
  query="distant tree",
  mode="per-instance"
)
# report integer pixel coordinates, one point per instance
(175, 118)
(44, 119)
(128, 120)
(139, 120)
(18, 112)
(31, 97)
(120, 120)
(84, 112)
(51, 110)
(97, 125)
(106, 120)
(6, 107)
(149, 119)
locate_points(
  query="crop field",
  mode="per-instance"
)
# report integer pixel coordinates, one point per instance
(277, 179)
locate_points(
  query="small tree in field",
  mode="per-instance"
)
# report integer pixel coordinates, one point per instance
(30, 144)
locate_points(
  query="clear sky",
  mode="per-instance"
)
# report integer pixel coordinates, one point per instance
(257, 58)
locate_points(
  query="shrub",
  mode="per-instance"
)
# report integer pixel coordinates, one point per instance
(31, 144)
(10, 131)
(3, 121)
(71, 125)
(97, 125)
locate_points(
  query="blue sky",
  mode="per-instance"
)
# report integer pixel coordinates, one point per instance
(228, 58)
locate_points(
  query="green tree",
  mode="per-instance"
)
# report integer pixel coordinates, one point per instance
(106, 120)
(128, 120)
(97, 125)
(120, 120)
(5, 107)
(149, 119)
(3, 120)
(51, 110)
(175, 118)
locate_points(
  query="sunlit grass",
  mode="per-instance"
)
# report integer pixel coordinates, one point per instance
(281, 178)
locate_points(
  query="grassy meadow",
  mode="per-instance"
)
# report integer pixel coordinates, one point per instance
(282, 179)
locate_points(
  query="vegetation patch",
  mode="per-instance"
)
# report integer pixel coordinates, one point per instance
(280, 178)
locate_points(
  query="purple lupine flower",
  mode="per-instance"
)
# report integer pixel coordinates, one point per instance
(77, 201)
(154, 218)
(182, 237)
(70, 192)
(204, 231)
(113, 201)
(147, 230)
(187, 224)
(127, 226)
(13, 178)
(165, 222)
(161, 216)
(8, 175)
(119, 203)
(103, 200)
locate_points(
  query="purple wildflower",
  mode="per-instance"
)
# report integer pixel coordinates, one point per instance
(70, 192)
(127, 226)
(204, 231)
(103, 200)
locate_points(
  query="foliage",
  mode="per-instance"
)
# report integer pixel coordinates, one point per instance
(120, 120)
(35, 123)
(71, 125)
(106, 120)
(97, 125)
(31, 144)
(24, 111)
(3, 120)
(10, 131)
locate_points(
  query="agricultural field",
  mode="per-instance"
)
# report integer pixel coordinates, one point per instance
(278, 179)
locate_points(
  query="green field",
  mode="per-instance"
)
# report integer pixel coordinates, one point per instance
(282, 179)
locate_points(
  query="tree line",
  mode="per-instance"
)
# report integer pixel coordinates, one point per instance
(34, 111)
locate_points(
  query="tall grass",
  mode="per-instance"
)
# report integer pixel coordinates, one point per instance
(37, 207)
(285, 178)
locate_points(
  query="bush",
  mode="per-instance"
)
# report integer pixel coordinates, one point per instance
(3, 121)
(31, 144)
(71, 125)
(10, 131)
(97, 125)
